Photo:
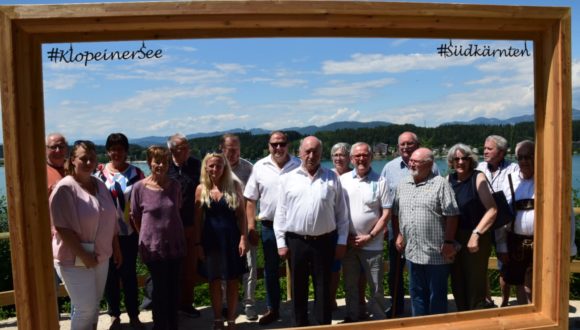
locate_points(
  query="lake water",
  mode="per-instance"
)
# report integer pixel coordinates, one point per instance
(377, 165)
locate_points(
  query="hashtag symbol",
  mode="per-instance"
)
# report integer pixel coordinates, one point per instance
(53, 54)
(444, 50)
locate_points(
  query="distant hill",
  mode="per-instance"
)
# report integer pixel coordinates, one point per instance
(508, 121)
(149, 140)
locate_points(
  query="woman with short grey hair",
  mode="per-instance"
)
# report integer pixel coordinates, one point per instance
(478, 212)
(340, 155)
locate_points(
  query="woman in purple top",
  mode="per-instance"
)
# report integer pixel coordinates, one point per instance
(155, 203)
(84, 225)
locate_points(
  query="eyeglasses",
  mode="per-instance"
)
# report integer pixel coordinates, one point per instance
(60, 146)
(417, 161)
(278, 144)
(339, 156)
(464, 158)
(361, 156)
(524, 157)
(407, 144)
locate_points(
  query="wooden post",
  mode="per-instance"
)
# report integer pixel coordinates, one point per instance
(24, 151)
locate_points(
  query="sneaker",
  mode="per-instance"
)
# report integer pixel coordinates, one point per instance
(251, 314)
(269, 317)
(190, 311)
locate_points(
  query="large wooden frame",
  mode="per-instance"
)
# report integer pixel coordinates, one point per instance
(24, 28)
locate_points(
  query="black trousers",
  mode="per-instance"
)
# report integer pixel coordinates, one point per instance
(127, 274)
(311, 257)
(166, 295)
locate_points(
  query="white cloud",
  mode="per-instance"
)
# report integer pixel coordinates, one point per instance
(63, 81)
(576, 73)
(179, 75)
(327, 118)
(353, 89)
(232, 68)
(286, 83)
(375, 63)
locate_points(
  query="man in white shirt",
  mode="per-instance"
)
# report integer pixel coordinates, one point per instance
(367, 195)
(311, 227)
(496, 168)
(263, 186)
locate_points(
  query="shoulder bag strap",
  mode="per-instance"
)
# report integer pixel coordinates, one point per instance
(513, 199)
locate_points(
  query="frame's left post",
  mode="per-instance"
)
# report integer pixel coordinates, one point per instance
(24, 154)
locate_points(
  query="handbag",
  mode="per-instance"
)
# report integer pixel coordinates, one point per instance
(505, 214)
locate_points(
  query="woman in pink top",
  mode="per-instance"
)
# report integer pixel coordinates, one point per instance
(84, 221)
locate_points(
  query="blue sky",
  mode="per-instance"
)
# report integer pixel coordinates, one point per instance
(219, 84)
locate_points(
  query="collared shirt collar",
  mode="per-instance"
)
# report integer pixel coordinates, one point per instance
(355, 174)
(402, 164)
(302, 170)
(412, 181)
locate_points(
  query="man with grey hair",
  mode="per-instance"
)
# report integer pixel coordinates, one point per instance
(186, 169)
(394, 171)
(366, 194)
(428, 214)
(496, 168)
(56, 155)
(311, 226)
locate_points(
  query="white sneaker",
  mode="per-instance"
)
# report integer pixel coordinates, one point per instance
(251, 314)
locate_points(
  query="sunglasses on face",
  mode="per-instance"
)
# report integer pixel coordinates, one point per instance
(278, 144)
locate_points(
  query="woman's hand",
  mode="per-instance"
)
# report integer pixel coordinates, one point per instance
(243, 247)
(89, 259)
(473, 244)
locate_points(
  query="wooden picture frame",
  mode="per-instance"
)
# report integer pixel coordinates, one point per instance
(23, 29)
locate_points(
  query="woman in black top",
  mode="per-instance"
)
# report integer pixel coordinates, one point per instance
(478, 212)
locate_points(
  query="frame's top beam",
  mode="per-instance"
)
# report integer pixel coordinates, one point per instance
(281, 7)
(197, 19)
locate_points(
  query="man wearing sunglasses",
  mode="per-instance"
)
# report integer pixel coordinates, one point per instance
(263, 186)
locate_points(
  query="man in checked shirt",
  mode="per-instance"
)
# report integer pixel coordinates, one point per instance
(428, 214)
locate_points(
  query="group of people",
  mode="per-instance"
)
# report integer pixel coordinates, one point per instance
(190, 219)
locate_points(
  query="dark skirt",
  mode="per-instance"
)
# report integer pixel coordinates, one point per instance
(220, 240)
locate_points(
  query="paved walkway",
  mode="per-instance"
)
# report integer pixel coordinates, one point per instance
(206, 319)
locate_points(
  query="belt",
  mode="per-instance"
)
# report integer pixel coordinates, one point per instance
(310, 238)
(268, 223)
(525, 204)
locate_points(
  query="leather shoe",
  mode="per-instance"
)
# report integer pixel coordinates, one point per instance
(115, 323)
(269, 317)
(136, 324)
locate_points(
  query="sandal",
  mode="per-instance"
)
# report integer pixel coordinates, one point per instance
(218, 324)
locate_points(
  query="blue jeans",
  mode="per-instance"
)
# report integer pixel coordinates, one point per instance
(271, 268)
(428, 288)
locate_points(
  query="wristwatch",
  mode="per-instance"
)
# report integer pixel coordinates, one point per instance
(476, 232)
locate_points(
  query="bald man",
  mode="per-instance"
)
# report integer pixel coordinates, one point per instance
(311, 227)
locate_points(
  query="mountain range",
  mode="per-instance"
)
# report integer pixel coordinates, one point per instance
(308, 130)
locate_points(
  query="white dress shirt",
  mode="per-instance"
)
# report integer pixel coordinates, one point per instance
(264, 182)
(310, 206)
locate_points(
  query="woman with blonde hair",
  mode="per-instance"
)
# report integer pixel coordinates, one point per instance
(221, 235)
